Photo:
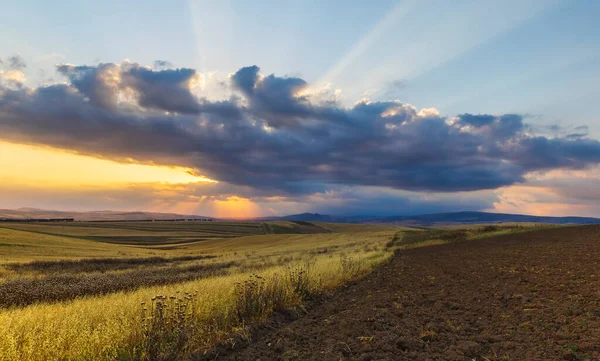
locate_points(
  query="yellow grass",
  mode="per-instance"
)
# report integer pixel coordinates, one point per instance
(108, 327)
(26, 246)
(347, 227)
(431, 242)
(282, 243)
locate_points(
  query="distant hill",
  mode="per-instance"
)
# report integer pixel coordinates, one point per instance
(424, 220)
(34, 213)
(440, 219)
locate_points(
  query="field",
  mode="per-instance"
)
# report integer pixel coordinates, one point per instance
(165, 290)
(516, 296)
(176, 290)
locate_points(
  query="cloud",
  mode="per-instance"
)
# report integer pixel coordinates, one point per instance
(557, 192)
(98, 84)
(15, 62)
(167, 90)
(12, 77)
(162, 64)
(11, 71)
(206, 199)
(393, 88)
(277, 137)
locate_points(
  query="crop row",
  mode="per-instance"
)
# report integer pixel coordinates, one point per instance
(97, 264)
(60, 287)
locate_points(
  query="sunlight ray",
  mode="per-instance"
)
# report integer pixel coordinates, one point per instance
(431, 39)
(399, 11)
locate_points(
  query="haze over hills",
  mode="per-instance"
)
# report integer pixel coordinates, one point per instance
(34, 213)
(468, 217)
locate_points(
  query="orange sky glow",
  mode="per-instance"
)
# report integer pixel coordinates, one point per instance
(41, 167)
(36, 168)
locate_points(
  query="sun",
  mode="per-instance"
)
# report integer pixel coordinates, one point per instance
(236, 207)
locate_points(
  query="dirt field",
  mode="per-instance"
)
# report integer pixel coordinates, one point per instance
(529, 296)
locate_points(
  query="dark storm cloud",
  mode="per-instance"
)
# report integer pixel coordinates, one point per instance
(97, 83)
(476, 120)
(167, 89)
(279, 138)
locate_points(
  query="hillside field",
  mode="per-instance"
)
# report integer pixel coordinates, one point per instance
(174, 290)
(88, 290)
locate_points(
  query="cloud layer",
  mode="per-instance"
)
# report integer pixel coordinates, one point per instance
(275, 134)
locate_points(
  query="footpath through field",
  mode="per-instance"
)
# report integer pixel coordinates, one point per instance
(528, 296)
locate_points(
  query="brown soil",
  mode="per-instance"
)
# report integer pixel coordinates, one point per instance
(529, 296)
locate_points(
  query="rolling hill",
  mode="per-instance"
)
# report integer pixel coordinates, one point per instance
(423, 220)
(34, 213)
(441, 219)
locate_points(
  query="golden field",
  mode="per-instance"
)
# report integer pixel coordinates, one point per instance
(173, 290)
(55, 318)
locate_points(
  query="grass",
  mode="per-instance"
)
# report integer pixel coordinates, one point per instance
(154, 233)
(348, 227)
(437, 236)
(97, 264)
(17, 245)
(110, 327)
(141, 233)
(176, 300)
(72, 298)
(66, 286)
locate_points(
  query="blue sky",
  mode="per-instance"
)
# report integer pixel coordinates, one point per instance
(538, 59)
(534, 57)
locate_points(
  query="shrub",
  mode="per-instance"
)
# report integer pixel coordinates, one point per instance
(489, 228)
(454, 235)
(258, 297)
(298, 276)
(167, 327)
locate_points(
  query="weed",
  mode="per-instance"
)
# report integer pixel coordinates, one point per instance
(257, 297)
(167, 327)
(351, 268)
(299, 277)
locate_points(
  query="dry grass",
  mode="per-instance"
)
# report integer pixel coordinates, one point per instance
(183, 317)
(65, 286)
(18, 245)
(91, 265)
(348, 227)
(109, 327)
(114, 326)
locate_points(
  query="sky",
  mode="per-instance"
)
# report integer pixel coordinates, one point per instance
(243, 109)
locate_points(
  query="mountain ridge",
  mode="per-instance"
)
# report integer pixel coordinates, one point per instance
(447, 218)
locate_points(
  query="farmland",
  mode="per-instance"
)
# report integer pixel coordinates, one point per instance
(514, 296)
(88, 290)
(176, 290)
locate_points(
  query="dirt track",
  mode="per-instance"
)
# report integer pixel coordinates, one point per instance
(530, 296)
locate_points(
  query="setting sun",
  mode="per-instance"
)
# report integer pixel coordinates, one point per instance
(236, 207)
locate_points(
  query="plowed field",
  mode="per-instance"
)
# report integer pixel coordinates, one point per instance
(528, 296)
